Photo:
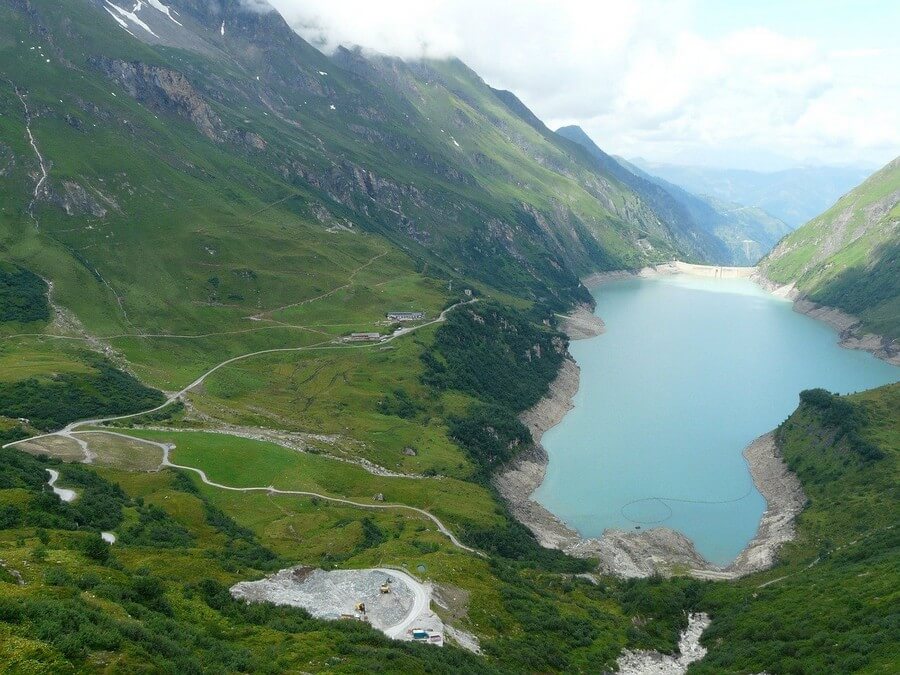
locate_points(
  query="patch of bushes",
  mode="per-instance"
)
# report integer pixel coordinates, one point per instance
(491, 435)
(98, 507)
(23, 295)
(149, 636)
(515, 542)
(861, 288)
(399, 404)
(99, 504)
(53, 402)
(845, 418)
(573, 625)
(372, 536)
(95, 548)
(156, 528)
(14, 433)
(496, 354)
(242, 549)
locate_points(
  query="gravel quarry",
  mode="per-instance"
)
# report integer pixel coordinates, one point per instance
(336, 594)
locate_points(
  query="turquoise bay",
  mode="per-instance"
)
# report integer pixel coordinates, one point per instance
(688, 373)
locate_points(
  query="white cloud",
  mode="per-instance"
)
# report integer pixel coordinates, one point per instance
(641, 78)
(261, 6)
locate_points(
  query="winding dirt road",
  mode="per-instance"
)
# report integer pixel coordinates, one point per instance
(421, 603)
(70, 430)
(178, 394)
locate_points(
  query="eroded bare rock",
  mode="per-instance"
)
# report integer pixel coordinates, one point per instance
(689, 651)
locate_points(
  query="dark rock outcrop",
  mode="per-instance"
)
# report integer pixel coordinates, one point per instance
(166, 91)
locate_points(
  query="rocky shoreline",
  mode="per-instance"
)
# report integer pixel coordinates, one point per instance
(657, 550)
(847, 325)
(785, 500)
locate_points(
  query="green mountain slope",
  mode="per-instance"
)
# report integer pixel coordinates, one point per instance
(849, 257)
(188, 184)
(180, 154)
(742, 234)
(663, 200)
(829, 605)
(183, 188)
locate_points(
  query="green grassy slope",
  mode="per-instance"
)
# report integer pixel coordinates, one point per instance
(214, 190)
(148, 601)
(830, 605)
(145, 603)
(849, 257)
(826, 607)
(240, 192)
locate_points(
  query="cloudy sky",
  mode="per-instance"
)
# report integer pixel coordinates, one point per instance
(759, 84)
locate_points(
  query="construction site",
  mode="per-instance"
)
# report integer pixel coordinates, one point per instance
(391, 601)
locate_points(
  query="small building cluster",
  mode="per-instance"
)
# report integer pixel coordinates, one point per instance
(405, 316)
(364, 337)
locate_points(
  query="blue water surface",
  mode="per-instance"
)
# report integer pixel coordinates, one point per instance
(688, 373)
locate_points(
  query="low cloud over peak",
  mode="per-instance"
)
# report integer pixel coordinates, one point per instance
(676, 81)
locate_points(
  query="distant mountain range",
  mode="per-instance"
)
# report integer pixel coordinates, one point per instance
(791, 195)
(744, 233)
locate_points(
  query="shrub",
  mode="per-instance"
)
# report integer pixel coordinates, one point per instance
(23, 295)
(95, 548)
(53, 402)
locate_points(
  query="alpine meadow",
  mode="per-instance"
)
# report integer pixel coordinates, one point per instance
(322, 352)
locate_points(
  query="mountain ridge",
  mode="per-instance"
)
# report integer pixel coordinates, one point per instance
(743, 234)
(197, 206)
(849, 256)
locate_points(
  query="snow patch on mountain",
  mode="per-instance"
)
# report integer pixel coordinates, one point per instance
(132, 16)
(165, 9)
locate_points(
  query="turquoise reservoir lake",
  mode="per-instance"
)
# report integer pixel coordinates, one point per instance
(689, 372)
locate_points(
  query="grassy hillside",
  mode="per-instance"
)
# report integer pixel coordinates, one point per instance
(665, 200)
(217, 188)
(204, 191)
(830, 605)
(67, 601)
(849, 257)
(146, 602)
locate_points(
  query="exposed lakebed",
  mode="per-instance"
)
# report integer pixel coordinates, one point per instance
(689, 372)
